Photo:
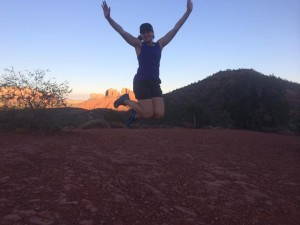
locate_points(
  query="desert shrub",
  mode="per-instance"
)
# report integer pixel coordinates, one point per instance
(95, 123)
(70, 117)
(10, 119)
(117, 125)
(41, 120)
(113, 116)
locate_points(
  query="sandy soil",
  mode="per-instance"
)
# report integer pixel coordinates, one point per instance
(149, 177)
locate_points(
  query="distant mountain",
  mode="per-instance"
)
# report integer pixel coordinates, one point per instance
(241, 98)
(106, 100)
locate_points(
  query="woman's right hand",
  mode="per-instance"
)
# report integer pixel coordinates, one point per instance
(106, 9)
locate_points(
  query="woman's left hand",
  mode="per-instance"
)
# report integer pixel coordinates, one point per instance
(106, 9)
(189, 6)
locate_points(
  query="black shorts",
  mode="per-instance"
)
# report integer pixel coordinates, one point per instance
(147, 89)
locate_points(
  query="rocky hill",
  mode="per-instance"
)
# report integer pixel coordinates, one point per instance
(241, 98)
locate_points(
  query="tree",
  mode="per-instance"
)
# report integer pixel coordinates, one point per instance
(31, 90)
(26, 99)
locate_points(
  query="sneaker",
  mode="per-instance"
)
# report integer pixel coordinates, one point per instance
(131, 118)
(120, 100)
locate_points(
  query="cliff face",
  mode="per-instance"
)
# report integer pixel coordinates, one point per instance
(105, 100)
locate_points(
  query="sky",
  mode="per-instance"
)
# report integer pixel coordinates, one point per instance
(74, 41)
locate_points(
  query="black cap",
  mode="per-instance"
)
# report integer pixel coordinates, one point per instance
(146, 27)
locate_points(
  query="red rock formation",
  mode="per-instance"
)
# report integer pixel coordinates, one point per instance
(112, 92)
(106, 101)
(95, 95)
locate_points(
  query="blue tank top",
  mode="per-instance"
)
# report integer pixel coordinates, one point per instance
(149, 62)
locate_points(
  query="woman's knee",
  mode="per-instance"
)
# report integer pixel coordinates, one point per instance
(146, 106)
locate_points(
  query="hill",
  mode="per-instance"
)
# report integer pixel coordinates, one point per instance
(241, 98)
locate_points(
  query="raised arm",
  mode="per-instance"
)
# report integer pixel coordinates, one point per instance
(135, 42)
(171, 34)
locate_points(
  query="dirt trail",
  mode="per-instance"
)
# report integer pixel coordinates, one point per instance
(149, 177)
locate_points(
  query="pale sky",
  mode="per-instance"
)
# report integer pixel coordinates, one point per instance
(74, 41)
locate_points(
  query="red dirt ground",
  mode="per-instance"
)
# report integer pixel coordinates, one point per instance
(149, 177)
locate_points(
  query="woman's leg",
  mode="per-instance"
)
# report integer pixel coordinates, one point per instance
(147, 106)
(158, 107)
(134, 105)
(144, 108)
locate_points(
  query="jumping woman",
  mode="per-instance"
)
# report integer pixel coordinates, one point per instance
(146, 82)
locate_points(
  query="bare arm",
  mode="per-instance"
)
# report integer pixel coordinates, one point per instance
(133, 41)
(171, 34)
